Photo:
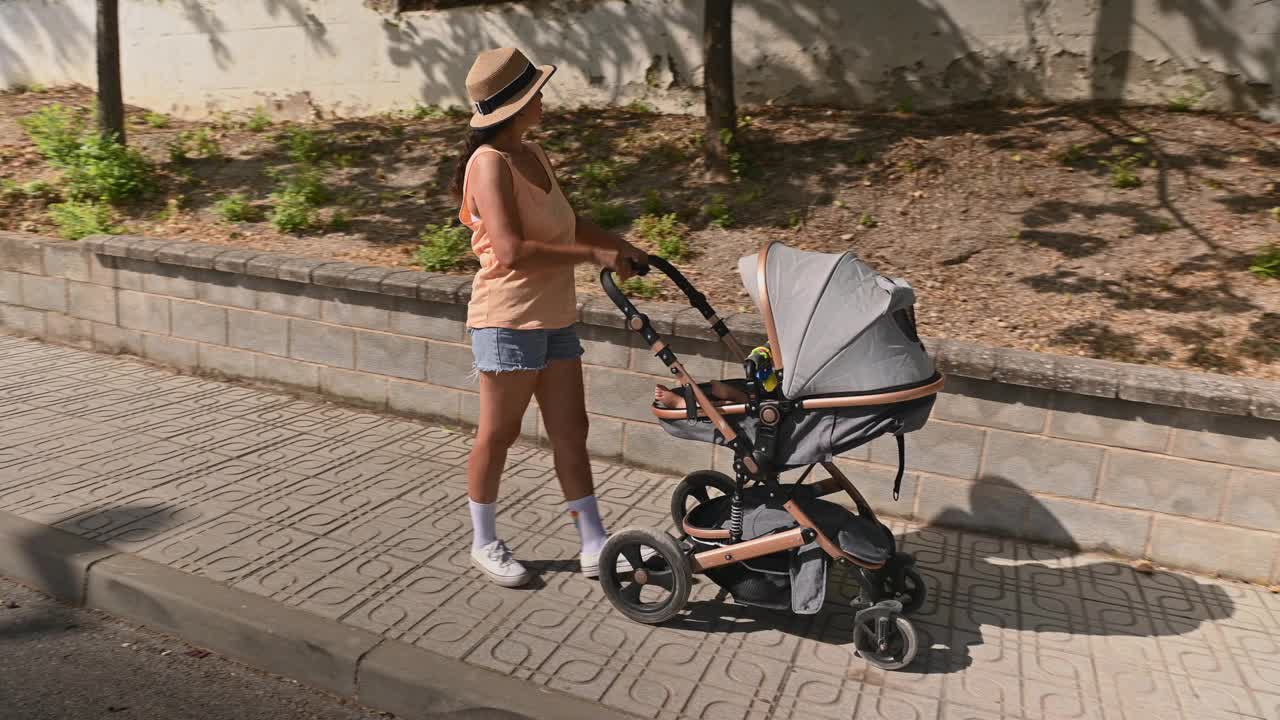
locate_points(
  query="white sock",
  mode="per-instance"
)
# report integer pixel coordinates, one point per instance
(586, 516)
(483, 530)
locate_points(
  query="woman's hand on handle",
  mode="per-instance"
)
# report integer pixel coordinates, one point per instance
(614, 260)
(633, 255)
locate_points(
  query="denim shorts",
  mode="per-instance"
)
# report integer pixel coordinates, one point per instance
(505, 350)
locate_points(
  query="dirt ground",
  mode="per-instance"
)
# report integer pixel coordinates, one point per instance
(1007, 221)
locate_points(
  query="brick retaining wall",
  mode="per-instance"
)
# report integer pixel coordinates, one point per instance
(1179, 467)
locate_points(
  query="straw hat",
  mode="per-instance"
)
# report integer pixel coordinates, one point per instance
(501, 82)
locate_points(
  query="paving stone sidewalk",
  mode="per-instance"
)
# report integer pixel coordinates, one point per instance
(362, 518)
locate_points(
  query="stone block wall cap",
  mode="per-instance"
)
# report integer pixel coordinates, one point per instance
(1152, 385)
(1215, 393)
(116, 245)
(203, 256)
(600, 312)
(367, 279)
(661, 315)
(233, 261)
(401, 283)
(333, 274)
(144, 248)
(961, 357)
(298, 269)
(266, 265)
(437, 287)
(1264, 401)
(689, 323)
(95, 243)
(1085, 376)
(1023, 367)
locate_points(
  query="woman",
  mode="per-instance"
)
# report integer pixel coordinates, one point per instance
(523, 303)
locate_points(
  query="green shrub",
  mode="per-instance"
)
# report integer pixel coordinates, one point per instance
(640, 106)
(309, 185)
(1072, 155)
(193, 143)
(637, 287)
(443, 247)
(295, 201)
(305, 146)
(156, 120)
(665, 233)
(1190, 97)
(103, 169)
(40, 188)
(291, 213)
(427, 112)
(653, 204)
(718, 212)
(1123, 173)
(1266, 264)
(607, 214)
(237, 208)
(340, 220)
(76, 219)
(57, 132)
(206, 144)
(599, 175)
(95, 167)
(258, 121)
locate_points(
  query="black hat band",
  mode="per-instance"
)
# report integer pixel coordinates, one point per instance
(513, 88)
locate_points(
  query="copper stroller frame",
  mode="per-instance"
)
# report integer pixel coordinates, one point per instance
(807, 531)
(890, 585)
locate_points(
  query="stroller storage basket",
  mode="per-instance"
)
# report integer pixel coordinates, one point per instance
(763, 581)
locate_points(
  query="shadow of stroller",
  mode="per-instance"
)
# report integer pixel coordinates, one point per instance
(985, 590)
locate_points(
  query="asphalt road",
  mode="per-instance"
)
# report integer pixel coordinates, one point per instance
(64, 663)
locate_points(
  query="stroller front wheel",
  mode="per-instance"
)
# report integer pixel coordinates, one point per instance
(651, 590)
(884, 638)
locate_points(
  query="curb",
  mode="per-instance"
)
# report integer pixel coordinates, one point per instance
(378, 672)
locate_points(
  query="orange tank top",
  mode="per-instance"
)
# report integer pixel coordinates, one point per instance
(523, 299)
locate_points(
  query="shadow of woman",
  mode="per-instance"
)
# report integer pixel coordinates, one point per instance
(986, 591)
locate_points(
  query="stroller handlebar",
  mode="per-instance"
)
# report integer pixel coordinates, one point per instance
(696, 299)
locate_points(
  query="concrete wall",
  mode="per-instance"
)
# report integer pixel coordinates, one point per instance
(1183, 468)
(192, 57)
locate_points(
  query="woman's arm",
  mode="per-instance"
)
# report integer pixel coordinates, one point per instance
(592, 235)
(493, 192)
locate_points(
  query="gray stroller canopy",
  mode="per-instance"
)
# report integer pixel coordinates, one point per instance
(841, 325)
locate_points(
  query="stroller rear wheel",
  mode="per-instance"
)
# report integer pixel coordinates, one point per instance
(883, 637)
(700, 487)
(647, 591)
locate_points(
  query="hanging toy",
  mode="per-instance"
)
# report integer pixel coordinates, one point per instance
(765, 376)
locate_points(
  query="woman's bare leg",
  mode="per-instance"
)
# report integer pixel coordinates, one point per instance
(564, 414)
(504, 397)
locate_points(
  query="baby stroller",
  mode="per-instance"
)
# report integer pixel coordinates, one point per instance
(848, 367)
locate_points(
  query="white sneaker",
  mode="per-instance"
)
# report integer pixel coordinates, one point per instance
(495, 560)
(590, 562)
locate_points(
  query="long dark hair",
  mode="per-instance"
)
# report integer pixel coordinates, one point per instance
(475, 138)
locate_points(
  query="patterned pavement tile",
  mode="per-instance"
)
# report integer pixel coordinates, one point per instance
(362, 517)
